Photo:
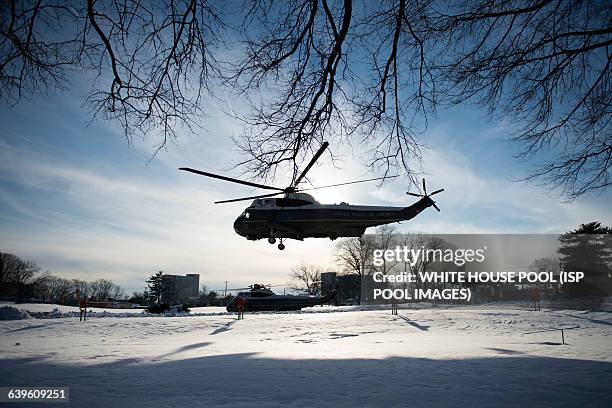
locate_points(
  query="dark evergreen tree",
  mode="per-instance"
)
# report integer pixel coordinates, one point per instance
(156, 286)
(587, 249)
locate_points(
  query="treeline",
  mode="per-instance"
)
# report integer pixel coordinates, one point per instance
(17, 276)
(52, 289)
(24, 280)
(588, 248)
(212, 298)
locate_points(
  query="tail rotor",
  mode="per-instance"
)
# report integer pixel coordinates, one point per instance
(427, 195)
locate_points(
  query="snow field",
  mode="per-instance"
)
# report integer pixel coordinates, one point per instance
(468, 356)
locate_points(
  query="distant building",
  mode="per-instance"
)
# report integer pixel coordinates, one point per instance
(348, 287)
(180, 289)
(328, 282)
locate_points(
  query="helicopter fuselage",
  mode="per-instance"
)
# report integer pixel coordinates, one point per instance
(260, 299)
(299, 216)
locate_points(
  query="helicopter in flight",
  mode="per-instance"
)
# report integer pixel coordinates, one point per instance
(289, 213)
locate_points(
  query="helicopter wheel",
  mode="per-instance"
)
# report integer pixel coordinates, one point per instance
(272, 240)
(281, 246)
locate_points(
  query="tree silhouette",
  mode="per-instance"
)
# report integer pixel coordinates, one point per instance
(369, 75)
(354, 255)
(587, 249)
(150, 61)
(306, 278)
(156, 286)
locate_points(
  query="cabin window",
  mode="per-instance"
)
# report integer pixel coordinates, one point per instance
(246, 214)
(291, 202)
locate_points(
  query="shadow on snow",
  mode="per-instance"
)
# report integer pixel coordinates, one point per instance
(238, 380)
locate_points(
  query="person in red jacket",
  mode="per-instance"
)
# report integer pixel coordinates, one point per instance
(82, 310)
(240, 305)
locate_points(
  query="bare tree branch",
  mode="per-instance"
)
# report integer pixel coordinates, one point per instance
(369, 75)
(159, 56)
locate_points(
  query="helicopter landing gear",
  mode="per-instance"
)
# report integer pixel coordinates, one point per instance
(272, 240)
(281, 246)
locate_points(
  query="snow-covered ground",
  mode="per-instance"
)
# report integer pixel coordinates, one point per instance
(463, 356)
(55, 311)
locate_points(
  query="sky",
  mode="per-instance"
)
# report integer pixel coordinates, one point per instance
(83, 203)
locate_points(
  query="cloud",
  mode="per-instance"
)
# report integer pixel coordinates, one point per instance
(477, 197)
(477, 201)
(122, 227)
(89, 207)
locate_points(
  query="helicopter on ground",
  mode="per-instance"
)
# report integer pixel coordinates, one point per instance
(260, 298)
(297, 215)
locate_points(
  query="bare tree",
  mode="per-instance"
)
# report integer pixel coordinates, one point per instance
(307, 279)
(81, 288)
(416, 241)
(373, 75)
(17, 274)
(101, 289)
(354, 255)
(545, 65)
(151, 61)
(25, 272)
(546, 265)
(28, 277)
(386, 238)
(55, 290)
(116, 292)
(32, 58)
(9, 264)
(309, 37)
(370, 75)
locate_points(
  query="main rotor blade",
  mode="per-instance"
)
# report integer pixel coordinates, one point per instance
(228, 289)
(248, 288)
(312, 162)
(349, 182)
(414, 194)
(233, 200)
(436, 207)
(233, 180)
(437, 191)
(424, 188)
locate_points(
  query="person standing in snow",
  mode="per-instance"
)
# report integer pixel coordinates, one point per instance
(82, 306)
(82, 310)
(537, 295)
(240, 304)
